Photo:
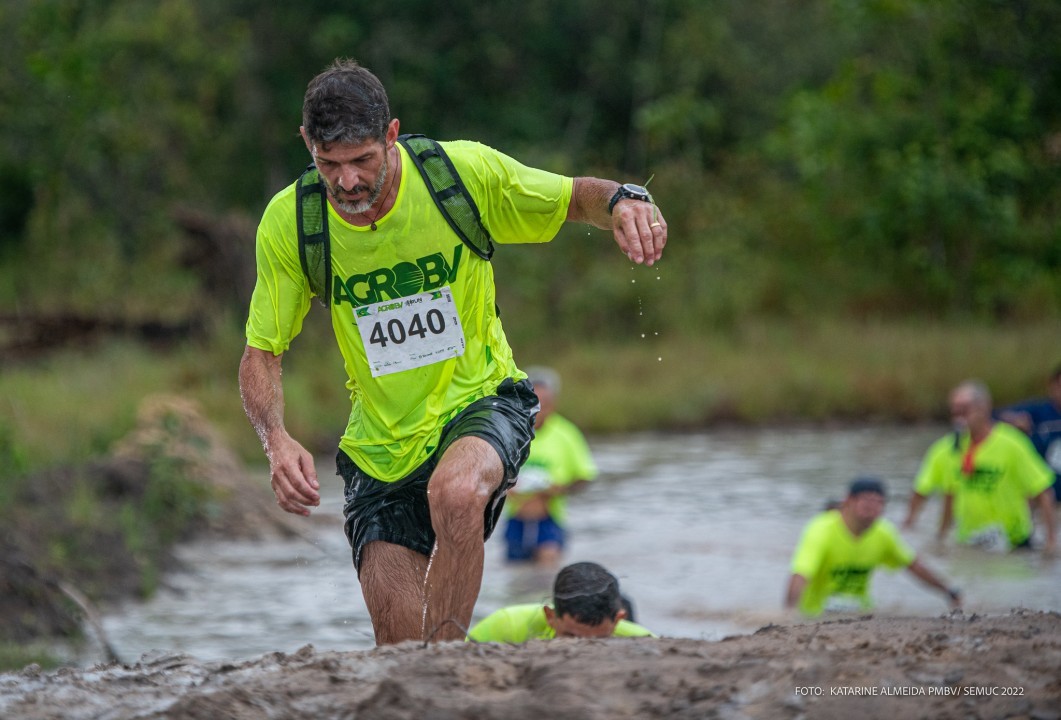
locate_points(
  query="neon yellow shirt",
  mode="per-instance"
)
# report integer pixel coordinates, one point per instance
(520, 623)
(560, 454)
(838, 566)
(396, 418)
(1006, 471)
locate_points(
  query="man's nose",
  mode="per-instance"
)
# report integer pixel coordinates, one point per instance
(348, 178)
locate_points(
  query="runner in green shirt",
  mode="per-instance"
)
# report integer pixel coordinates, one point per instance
(839, 550)
(586, 604)
(987, 473)
(560, 464)
(441, 417)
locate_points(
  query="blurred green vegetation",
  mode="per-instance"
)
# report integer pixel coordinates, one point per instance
(863, 198)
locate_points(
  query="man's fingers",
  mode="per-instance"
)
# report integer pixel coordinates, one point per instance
(294, 494)
(309, 471)
(641, 232)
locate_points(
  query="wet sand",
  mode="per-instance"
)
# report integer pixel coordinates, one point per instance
(955, 666)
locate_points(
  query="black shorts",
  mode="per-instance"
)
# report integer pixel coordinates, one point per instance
(398, 512)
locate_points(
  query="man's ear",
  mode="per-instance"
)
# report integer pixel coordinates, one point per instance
(550, 616)
(621, 615)
(392, 131)
(305, 138)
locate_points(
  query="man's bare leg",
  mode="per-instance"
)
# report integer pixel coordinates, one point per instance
(547, 555)
(462, 484)
(392, 581)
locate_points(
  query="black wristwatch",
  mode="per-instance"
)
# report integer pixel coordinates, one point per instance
(629, 191)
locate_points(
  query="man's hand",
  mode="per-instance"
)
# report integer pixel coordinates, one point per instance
(640, 230)
(293, 475)
(638, 226)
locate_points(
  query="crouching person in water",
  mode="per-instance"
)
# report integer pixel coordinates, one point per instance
(839, 550)
(586, 604)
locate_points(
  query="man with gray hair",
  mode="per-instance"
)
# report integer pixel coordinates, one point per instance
(987, 473)
(441, 416)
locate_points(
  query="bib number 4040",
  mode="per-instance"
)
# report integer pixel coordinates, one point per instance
(395, 330)
(410, 332)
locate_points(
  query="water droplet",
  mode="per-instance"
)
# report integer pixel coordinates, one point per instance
(633, 280)
(642, 334)
(659, 359)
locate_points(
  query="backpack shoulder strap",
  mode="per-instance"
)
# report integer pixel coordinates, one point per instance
(314, 245)
(449, 193)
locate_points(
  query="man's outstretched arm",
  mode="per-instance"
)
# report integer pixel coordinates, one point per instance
(929, 578)
(291, 469)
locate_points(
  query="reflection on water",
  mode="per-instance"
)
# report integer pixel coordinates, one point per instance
(698, 527)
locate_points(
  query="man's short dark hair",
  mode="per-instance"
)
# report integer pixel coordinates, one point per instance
(866, 484)
(346, 103)
(587, 592)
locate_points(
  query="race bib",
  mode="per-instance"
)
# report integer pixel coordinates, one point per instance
(992, 539)
(532, 479)
(410, 332)
(844, 604)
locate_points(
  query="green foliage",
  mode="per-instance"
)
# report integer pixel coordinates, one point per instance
(886, 157)
(113, 112)
(927, 162)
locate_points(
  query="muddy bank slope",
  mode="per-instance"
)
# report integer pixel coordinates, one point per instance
(948, 667)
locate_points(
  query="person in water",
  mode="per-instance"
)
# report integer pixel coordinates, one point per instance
(840, 549)
(586, 604)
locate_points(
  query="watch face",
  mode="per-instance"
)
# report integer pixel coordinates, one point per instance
(636, 190)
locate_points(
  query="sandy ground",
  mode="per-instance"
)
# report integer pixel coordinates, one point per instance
(958, 666)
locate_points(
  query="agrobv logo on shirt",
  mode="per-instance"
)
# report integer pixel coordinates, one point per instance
(411, 332)
(400, 281)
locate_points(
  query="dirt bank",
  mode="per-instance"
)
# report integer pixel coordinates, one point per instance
(950, 667)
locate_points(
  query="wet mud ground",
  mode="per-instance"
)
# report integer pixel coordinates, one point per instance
(954, 666)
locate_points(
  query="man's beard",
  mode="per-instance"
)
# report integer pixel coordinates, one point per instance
(359, 208)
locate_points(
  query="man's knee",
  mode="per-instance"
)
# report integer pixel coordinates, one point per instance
(463, 484)
(457, 499)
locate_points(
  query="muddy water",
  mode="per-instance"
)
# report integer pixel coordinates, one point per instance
(698, 527)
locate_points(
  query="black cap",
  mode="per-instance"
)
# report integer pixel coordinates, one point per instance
(866, 484)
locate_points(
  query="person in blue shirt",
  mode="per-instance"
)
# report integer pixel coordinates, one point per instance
(1041, 420)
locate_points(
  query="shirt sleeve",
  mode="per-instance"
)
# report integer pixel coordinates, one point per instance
(578, 462)
(1035, 475)
(517, 203)
(281, 295)
(504, 625)
(810, 552)
(897, 554)
(932, 476)
(625, 628)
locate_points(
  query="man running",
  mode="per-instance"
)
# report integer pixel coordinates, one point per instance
(441, 417)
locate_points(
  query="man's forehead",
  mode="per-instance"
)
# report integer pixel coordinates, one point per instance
(339, 149)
